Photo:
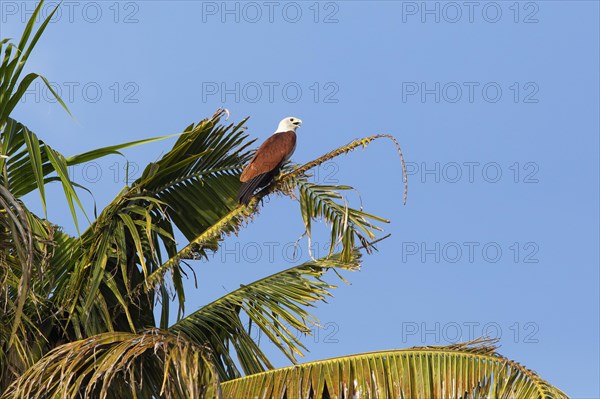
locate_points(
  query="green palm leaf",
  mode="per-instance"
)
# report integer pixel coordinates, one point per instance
(276, 305)
(13, 63)
(31, 162)
(199, 173)
(346, 223)
(471, 370)
(114, 254)
(121, 249)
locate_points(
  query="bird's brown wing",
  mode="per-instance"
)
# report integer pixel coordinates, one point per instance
(276, 149)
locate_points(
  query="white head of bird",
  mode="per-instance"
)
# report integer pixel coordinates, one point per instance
(289, 123)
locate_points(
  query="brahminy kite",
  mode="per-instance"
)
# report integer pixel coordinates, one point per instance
(268, 159)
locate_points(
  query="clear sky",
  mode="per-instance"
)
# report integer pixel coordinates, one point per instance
(495, 105)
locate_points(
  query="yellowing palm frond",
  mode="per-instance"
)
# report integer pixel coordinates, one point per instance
(153, 363)
(472, 370)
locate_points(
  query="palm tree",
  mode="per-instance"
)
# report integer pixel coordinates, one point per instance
(78, 314)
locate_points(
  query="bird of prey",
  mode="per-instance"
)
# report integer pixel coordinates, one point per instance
(268, 159)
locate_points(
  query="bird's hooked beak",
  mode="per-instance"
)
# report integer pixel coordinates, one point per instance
(298, 123)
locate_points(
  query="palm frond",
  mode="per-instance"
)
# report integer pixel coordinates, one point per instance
(16, 261)
(346, 223)
(238, 214)
(24, 242)
(288, 178)
(153, 363)
(30, 162)
(116, 253)
(196, 249)
(472, 370)
(200, 173)
(12, 88)
(276, 305)
(122, 248)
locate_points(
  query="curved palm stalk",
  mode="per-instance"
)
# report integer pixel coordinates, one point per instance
(288, 178)
(152, 363)
(275, 304)
(231, 221)
(471, 370)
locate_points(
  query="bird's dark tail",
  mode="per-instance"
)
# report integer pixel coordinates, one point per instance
(248, 188)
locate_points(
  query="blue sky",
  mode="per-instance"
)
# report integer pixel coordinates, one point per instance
(495, 105)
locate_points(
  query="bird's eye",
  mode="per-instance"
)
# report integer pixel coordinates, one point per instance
(291, 119)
